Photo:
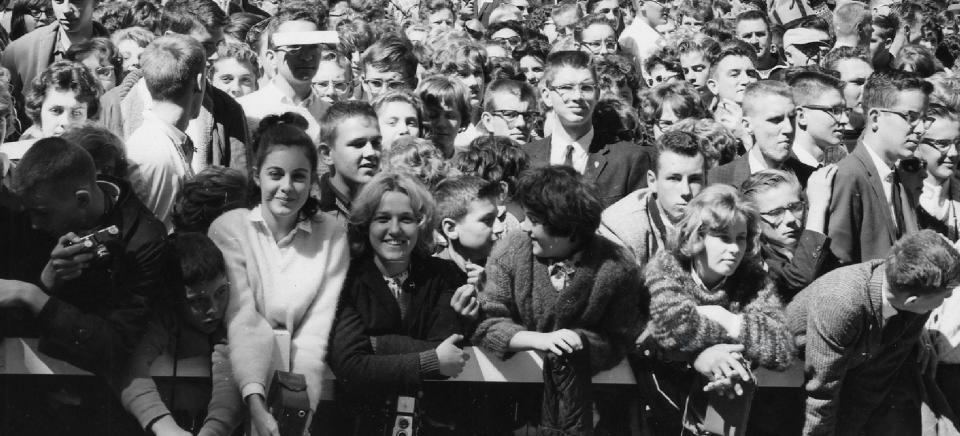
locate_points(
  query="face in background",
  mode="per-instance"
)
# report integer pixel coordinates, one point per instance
(130, 52)
(445, 124)
(772, 127)
(731, 77)
(474, 82)
(284, 179)
(210, 39)
(722, 251)
(507, 38)
(532, 69)
(695, 67)
(508, 119)
(679, 179)
(397, 119)
(564, 22)
(782, 215)
(477, 231)
(616, 89)
(897, 138)
(807, 54)
(442, 19)
(394, 230)
(757, 34)
(656, 12)
(73, 14)
(233, 77)
(355, 153)
(609, 8)
(854, 72)
(938, 148)
(691, 23)
(546, 245)
(102, 69)
(376, 82)
(667, 118)
(598, 40)
(61, 110)
(205, 303)
(824, 127)
(296, 64)
(572, 96)
(332, 83)
(878, 41)
(659, 74)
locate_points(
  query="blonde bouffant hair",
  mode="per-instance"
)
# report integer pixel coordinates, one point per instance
(716, 209)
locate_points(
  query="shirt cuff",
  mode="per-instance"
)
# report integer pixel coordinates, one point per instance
(251, 389)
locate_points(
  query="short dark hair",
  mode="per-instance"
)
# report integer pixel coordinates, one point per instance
(391, 53)
(566, 59)
(682, 97)
(807, 86)
(238, 24)
(494, 158)
(734, 47)
(752, 15)
(833, 57)
(678, 142)
(185, 16)
(922, 263)
(340, 111)
(500, 25)
(208, 195)
(51, 162)
(106, 149)
(453, 195)
(917, 58)
(200, 259)
(171, 65)
(523, 90)
(287, 130)
(558, 197)
(700, 10)
(882, 88)
(889, 23)
(63, 76)
(239, 52)
(103, 48)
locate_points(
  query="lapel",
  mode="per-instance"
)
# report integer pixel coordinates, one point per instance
(741, 171)
(596, 159)
(45, 48)
(539, 151)
(873, 178)
(380, 294)
(875, 297)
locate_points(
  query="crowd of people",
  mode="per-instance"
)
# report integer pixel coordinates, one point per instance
(332, 200)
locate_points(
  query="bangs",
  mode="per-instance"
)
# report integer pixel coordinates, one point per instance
(720, 219)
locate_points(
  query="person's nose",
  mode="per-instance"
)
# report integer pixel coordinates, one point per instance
(395, 229)
(685, 192)
(498, 229)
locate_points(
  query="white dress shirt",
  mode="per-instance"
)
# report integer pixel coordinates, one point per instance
(558, 148)
(158, 166)
(271, 100)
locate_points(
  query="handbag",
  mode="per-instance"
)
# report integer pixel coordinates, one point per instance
(287, 401)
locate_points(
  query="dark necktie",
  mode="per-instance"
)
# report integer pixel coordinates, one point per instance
(896, 198)
(568, 158)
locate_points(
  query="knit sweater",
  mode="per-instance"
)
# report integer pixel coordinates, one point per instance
(604, 301)
(292, 284)
(628, 222)
(678, 327)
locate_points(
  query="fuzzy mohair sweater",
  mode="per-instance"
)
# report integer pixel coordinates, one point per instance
(677, 327)
(604, 302)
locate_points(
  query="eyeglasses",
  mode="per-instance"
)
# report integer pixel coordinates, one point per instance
(913, 118)
(568, 90)
(512, 41)
(511, 116)
(835, 111)
(595, 46)
(304, 50)
(378, 84)
(656, 80)
(943, 146)
(775, 216)
(606, 11)
(339, 87)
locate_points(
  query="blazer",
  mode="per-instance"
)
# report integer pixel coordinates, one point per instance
(615, 169)
(852, 355)
(861, 225)
(736, 172)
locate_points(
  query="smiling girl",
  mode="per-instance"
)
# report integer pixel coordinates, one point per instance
(287, 264)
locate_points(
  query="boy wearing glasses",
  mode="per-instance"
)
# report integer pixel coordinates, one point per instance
(596, 35)
(509, 109)
(822, 116)
(871, 207)
(388, 65)
(294, 54)
(616, 169)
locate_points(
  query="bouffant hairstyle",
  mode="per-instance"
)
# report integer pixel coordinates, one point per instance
(63, 76)
(716, 209)
(557, 197)
(368, 200)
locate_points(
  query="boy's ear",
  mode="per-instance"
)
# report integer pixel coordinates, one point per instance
(325, 157)
(651, 180)
(504, 191)
(745, 122)
(449, 228)
(712, 86)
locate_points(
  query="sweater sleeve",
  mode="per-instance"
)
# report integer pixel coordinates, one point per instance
(138, 391)
(764, 333)
(252, 345)
(225, 411)
(676, 324)
(624, 317)
(498, 309)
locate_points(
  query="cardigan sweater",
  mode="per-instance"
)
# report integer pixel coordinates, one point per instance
(678, 327)
(373, 348)
(604, 302)
(292, 284)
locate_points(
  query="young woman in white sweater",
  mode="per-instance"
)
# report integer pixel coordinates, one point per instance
(286, 263)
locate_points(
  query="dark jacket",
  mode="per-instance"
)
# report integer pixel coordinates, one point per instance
(614, 169)
(96, 320)
(852, 355)
(735, 172)
(372, 350)
(808, 263)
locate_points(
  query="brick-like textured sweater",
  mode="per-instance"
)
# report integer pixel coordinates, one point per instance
(677, 327)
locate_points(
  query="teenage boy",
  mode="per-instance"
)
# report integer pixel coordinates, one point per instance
(640, 39)
(860, 326)
(822, 116)
(753, 28)
(293, 53)
(572, 93)
(871, 207)
(388, 65)
(803, 46)
(220, 131)
(854, 68)
(884, 31)
(645, 221)
(733, 68)
(509, 109)
(852, 25)
(350, 145)
(768, 119)
(159, 151)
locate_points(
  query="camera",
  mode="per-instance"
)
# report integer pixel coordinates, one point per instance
(405, 422)
(98, 241)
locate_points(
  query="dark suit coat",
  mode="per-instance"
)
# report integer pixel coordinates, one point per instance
(734, 173)
(851, 354)
(615, 169)
(861, 225)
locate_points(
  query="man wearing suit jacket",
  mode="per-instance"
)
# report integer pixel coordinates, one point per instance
(768, 117)
(871, 206)
(572, 92)
(858, 328)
